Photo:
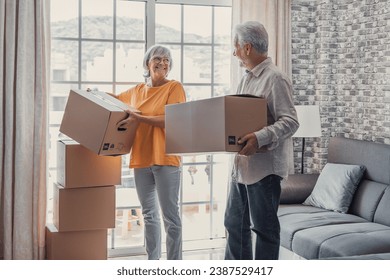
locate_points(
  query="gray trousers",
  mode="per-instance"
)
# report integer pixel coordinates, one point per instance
(158, 187)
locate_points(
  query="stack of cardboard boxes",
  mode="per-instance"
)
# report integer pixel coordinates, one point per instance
(87, 175)
(84, 195)
(83, 203)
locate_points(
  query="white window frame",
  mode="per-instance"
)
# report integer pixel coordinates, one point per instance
(149, 40)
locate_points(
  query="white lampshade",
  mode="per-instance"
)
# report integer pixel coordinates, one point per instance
(309, 121)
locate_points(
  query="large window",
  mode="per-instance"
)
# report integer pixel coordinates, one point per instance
(101, 43)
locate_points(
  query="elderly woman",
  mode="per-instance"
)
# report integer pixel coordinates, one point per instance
(157, 175)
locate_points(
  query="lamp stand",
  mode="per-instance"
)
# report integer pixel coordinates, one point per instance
(303, 153)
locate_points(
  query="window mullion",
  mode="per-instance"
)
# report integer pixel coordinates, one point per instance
(182, 43)
(223, 3)
(150, 15)
(80, 47)
(114, 45)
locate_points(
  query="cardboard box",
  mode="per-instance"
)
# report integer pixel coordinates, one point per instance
(78, 166)
(214, 124)
(76, 245)
(83, 208)
(91, 119)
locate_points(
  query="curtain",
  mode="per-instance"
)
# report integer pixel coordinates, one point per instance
(275, 15)
(24, 80)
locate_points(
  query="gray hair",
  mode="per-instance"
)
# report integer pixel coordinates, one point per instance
(156, 50)
(251, 32)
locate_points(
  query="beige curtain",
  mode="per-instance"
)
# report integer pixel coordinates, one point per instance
(24, 77)
(275, 15)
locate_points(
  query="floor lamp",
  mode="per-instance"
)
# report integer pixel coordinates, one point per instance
(309, 125)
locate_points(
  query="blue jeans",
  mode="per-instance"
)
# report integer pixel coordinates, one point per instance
(158, 186)
(253, 207)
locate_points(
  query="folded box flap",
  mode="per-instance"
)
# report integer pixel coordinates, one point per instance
(110, 100)
(246, 95)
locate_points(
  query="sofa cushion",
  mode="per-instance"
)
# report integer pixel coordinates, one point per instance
(382, 213)
(295, 218)
(381, 256)
(335, 187)
(338, 240)
(291, 209)
(297, 188)
(374, 156)
(366, 199)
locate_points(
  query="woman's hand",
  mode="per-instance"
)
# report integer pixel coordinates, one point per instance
(132, 119)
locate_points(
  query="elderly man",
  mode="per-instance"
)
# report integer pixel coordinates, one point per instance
(256, 176)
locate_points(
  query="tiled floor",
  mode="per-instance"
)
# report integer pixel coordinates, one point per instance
(209, 254)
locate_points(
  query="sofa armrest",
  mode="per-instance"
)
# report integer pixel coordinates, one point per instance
(297, 188)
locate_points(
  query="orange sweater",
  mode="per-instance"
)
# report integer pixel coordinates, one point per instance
(149, 143)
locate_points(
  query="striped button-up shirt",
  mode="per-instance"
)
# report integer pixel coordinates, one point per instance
(266, 81)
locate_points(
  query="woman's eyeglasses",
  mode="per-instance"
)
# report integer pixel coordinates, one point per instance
(158, 59)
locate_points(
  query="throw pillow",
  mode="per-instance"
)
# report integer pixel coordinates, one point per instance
(335, 187)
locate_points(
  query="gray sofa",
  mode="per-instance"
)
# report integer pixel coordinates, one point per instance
(309, 232)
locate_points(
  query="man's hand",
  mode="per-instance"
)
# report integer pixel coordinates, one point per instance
(250, 144)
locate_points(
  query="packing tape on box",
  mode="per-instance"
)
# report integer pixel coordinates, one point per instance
(107, 100)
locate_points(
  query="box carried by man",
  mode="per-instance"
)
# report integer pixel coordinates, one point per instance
(91, 119)
(214, 124)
